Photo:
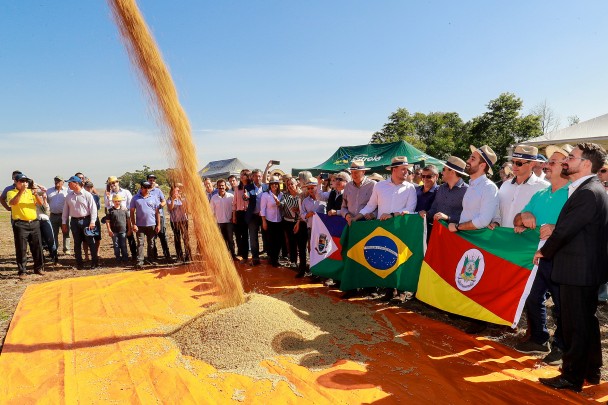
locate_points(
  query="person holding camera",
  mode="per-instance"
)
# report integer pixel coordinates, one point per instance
(26, 228)
(81, 210)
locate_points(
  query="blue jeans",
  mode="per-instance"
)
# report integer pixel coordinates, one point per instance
(536, 309)
(77, 226)
(119, 241)
(48, 238)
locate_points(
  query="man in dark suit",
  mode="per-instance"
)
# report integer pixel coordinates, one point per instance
(253, 194)
(578, 246)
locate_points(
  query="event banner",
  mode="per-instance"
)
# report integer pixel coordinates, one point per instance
(483, 274)
(384, 253)
(326, 246)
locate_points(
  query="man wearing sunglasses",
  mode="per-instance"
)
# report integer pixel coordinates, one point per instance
(515, 194)
(603, 176)
(425, 193)
(578, 248)
(26, 227)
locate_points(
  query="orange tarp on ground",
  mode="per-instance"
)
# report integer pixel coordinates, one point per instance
(104, 339)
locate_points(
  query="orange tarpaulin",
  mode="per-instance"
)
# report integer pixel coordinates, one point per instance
(104, 338)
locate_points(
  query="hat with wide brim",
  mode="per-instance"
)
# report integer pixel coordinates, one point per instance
(398, 161)
(311, 182)
(456, 164)
(112, 179)
(525, 152)
(565, 150)
(376, 177)
(358, 165)
(274, 179)
(487, 154)
(117, 197)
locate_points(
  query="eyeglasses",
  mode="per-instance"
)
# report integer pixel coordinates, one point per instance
(554, 162)
(520, 163)
(427, 176)
(570, 157)
(339, 179)
(603, 170)
(23, 181)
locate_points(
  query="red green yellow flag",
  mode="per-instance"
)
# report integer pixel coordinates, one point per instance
(483, 274)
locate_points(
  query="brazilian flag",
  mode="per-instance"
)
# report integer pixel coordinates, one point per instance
(384, 253)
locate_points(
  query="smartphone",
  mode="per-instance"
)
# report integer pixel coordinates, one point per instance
(275, 162)
(324, 176)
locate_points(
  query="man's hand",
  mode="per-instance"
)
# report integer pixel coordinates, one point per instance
(64, 228)
(310, 214)
(369, 216)
(422, 214)
(348, 218)
(519, 229)
(265, 225)
(537, 256)
(157, 228)
(439, 216)
(384, 217)
(452, 227)
(110, 233)
(92, 226)
(135, 229)
(493, 225)
(528, 219)
(331, 213)
(546, 230)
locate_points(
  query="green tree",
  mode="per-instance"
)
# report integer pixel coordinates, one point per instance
(131, 180)
(500, 127)
(400, 127)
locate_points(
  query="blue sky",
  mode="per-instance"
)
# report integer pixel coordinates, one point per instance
(277, 79)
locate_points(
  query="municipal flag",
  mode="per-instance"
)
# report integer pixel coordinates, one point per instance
(384, 253)
(483, 274)
(325, 245)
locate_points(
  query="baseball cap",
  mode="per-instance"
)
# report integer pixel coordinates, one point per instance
(75, 179)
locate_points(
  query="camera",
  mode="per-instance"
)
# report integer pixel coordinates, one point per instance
(324, 176)
(275, 162)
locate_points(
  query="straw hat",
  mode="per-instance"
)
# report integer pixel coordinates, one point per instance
(117, 197)
(525, 152)
(565, 150)
(376, 177)
(311, 182)
(274, 179)
(456, 164)
(358, 165)
(111, 179)
(487, 154)
(398, 161)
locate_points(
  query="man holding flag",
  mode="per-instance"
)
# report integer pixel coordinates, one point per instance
(578, 247)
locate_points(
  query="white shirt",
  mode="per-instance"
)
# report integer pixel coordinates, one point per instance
(480, 202)
(389, 197)
(56, 199)
(269, 208)
(513, 198)
(222, 207)
(126, 198)
(79, 205)
(575, 184)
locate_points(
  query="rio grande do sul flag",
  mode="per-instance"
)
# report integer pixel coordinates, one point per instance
(326, 245)
(384, 253)
(480, 274)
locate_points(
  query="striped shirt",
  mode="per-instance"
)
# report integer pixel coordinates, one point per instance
(288, 204)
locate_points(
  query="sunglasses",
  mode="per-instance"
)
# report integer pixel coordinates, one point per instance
(427, 176)
(603, 170)
(520, 164)
(23, 181)
(339, 179)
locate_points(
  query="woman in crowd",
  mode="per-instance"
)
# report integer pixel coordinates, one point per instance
(239, 208)
(296, 238)
(179, 222)
(271, 219)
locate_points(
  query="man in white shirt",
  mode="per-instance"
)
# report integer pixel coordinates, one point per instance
(515, 194)
(221, 205)
(56, 197)
(391, 197)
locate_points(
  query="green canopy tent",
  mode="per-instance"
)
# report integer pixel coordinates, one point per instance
(376, 156)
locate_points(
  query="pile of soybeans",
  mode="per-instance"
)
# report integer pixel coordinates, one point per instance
(314, 331)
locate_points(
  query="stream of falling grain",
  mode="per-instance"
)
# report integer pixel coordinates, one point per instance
(155, 76)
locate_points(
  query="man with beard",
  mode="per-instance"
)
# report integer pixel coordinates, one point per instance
(542, 210)
(578, 247)
(479, 203)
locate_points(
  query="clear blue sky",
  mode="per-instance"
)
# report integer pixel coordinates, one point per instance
(299, 77)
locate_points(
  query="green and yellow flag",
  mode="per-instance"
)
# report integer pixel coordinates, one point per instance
(384, 253)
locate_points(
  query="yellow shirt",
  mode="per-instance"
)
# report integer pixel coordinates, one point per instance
(25, 210)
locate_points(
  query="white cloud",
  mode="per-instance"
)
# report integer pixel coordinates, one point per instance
(101, 153)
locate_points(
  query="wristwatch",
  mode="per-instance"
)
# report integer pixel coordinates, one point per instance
(393, 214)
(457, 229)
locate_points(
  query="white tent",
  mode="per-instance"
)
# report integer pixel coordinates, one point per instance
(223, 168)
(593, 130)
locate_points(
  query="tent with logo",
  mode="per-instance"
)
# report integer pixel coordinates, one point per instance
(376, 156)
(219, 169)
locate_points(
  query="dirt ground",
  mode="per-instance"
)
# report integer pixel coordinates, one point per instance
(11, 289)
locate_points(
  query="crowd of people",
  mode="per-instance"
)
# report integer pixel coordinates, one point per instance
(563, 194)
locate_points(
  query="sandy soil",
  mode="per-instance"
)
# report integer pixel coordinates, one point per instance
(11, 289)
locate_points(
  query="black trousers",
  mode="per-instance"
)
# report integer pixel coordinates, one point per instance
(180, 232)
(274, 237)
(226, 229)
(28, 233)
(581, 331)
(242, 235)
(297, 243)
(162, 236)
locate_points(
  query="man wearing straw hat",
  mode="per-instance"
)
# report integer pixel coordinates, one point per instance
(391, 197)
(480, 201)
(447, 205)
(542, 210)
(356, 192)
(515, 194)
